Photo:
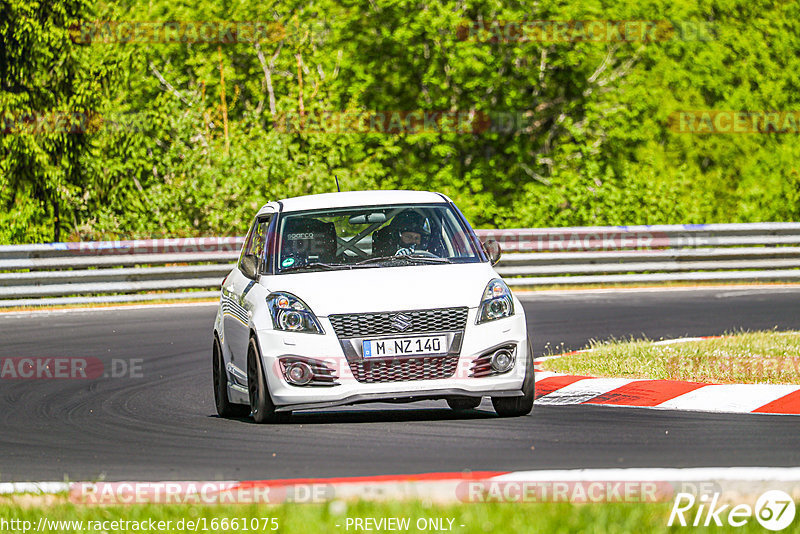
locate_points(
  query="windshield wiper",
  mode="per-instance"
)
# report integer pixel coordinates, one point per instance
(405, 257)
(317, 265)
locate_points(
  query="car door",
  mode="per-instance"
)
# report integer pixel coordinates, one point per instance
(238, 309)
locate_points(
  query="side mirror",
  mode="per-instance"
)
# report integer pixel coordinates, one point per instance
(492, 249)
(249, 266)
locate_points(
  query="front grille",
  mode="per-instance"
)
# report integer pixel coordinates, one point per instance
(402, 370)
(421, 322)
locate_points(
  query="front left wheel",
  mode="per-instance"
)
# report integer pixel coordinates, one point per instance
(225, 408)
(519, 406)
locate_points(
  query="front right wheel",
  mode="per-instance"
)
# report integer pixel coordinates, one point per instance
(518, 406)
(260, 401)
(225, 408)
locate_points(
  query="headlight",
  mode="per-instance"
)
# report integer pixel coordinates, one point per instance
(496, 302)
(291, 314)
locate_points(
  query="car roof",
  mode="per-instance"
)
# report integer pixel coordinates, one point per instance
(355, 198)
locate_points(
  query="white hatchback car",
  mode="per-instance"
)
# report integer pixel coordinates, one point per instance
(344, 298)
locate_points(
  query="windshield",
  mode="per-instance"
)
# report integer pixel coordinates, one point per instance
(379, 236)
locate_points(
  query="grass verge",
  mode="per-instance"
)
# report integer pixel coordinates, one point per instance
(741, 358)
(333, 517)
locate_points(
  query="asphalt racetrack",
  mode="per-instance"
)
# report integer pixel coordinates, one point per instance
(163, 426)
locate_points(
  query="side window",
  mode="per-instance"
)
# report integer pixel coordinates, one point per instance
(456, 240)
(256, 241)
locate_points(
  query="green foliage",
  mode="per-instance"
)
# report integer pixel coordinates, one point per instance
(41, 72)
(589, 141)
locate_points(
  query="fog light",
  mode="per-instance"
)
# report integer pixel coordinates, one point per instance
(299, 373)
(502, 361)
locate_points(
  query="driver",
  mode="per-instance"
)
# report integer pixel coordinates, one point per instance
(413, 232)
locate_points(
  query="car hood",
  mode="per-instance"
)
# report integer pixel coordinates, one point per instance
(379, 289)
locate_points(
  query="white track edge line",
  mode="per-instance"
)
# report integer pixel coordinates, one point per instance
(528, 293)
(110, 308)
(665, 474)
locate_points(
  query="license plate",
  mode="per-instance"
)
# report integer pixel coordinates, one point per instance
(404, 346)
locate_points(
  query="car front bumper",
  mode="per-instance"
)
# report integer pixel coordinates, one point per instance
(476, 340)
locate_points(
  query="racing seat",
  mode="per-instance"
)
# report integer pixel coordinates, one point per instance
(308, 241)
(385, 242)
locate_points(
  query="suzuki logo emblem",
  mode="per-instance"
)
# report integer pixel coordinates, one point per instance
(400, 321)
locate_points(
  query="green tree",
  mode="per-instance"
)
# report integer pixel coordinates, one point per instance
(48, 85)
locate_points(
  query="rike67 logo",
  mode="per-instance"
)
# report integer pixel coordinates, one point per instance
(774, 510)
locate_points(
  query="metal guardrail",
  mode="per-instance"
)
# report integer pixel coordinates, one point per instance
(142, 270)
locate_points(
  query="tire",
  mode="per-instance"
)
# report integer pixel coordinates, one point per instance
(261, 405)
(460, 404)
(225, 408)
(519, 406)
